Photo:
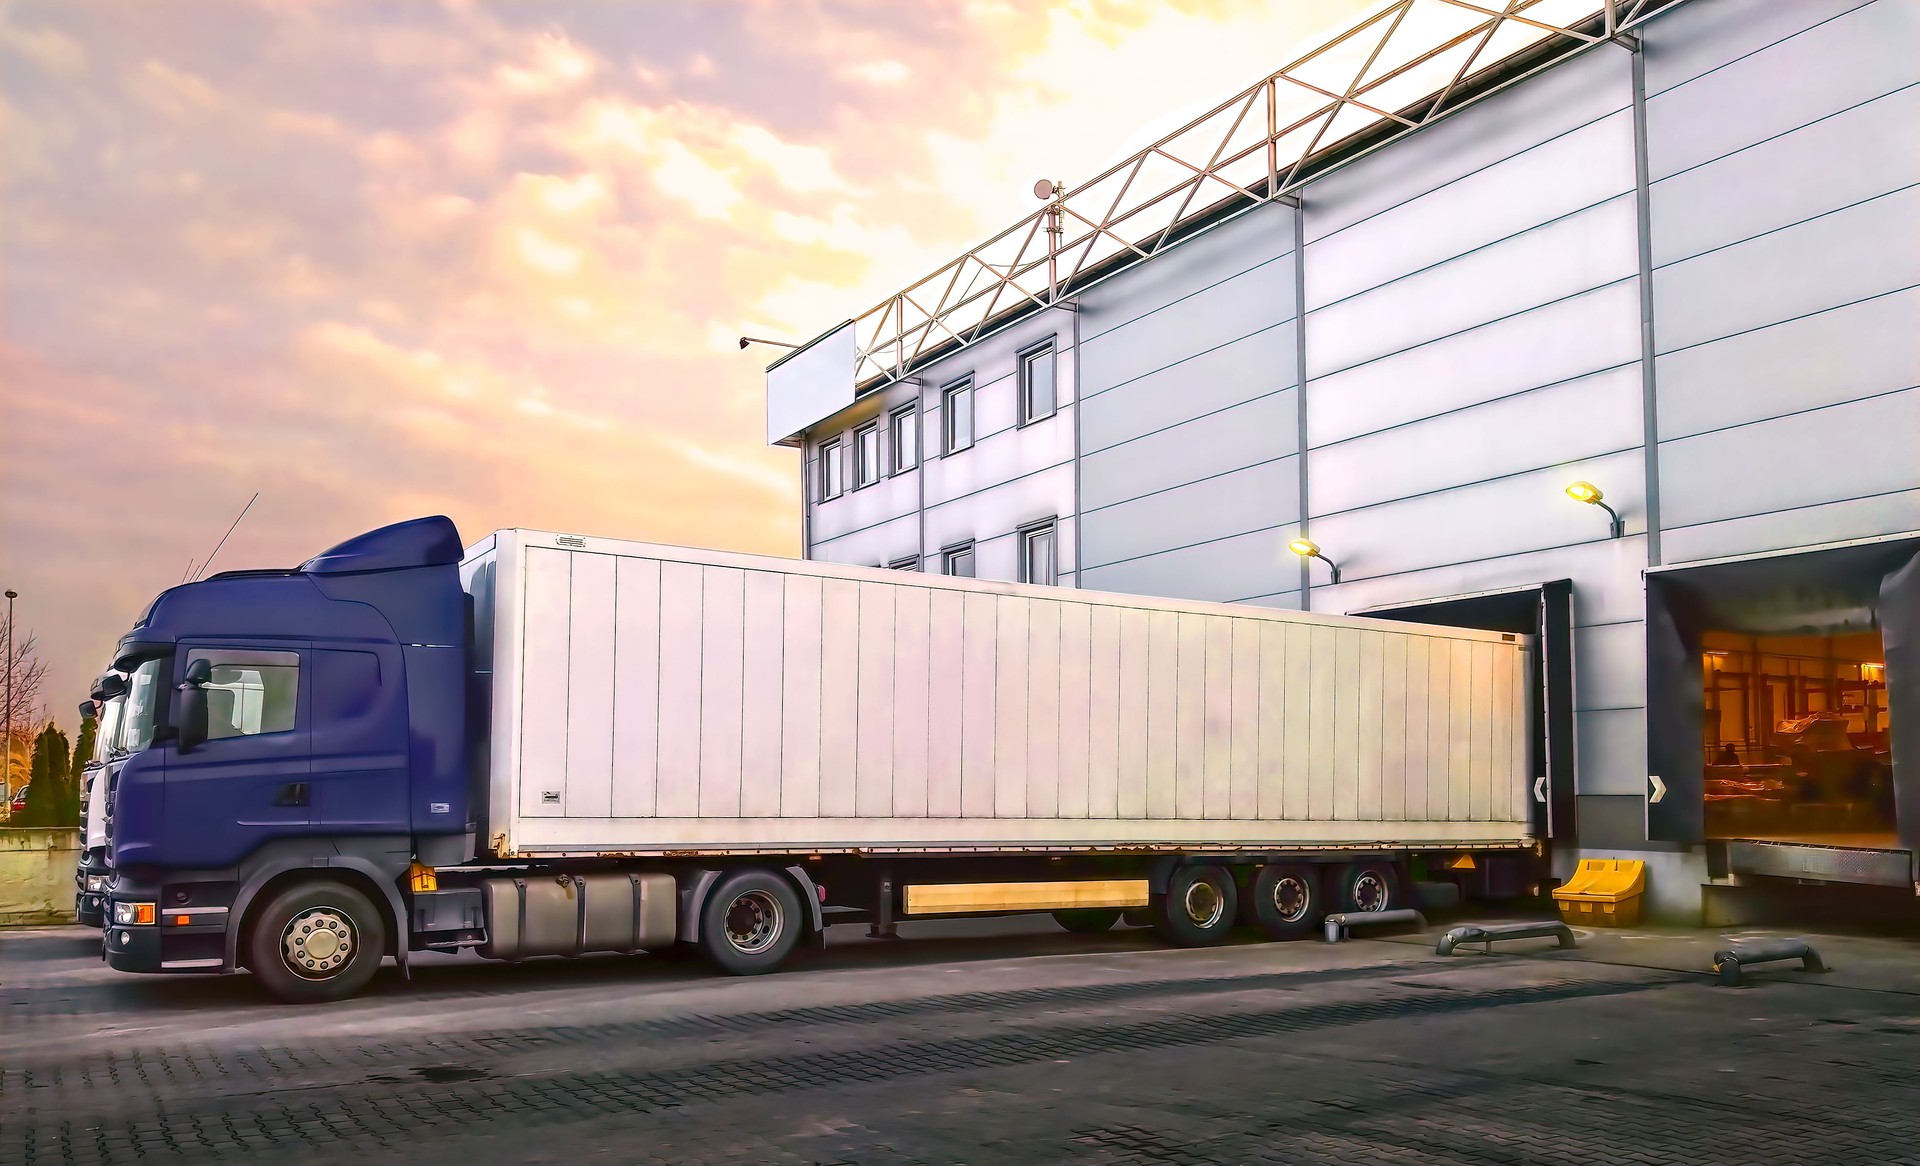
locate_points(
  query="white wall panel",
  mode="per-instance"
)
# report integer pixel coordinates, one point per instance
(1258, 431)
(677, 790)
(1578, 419)
(1235, 307)
(1526, 512)
(1857, 57)
(590, 641)
(1611, 663)
(998, 511)
(543, 654)
(1606, 576)
(873, 768)
(1611, 752)
(1570, 338)
(802, 650)
(946, 671)
(636, 685)
(1563, 98)
(1693, 38)
(1849, 255)
(910, 712)
(1204, 383)
(873, 546)
(1001, 458)
(1558, 177)
(1231, 504)
(722, 685)
(1808, 526)
(1827, 455)
(1559, 259)
(1187, 268)
(1838, 355)
(865, 507)
(1072, 738)
(1833, 163)
(839, 696)
(763, 684)
(1223, 571)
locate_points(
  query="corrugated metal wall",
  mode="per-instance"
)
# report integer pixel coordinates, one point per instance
(1473, 342)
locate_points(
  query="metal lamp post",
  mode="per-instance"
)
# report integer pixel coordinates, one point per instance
(7, 781)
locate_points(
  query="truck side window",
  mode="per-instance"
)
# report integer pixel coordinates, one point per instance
(250, 692)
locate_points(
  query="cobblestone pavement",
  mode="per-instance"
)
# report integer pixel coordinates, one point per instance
(1021, 1046)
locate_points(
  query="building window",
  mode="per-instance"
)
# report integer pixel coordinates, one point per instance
(903, 430)
(956, 416)
(1036, 383)
(957, 560)
(866, 455)
(833, 470)
(1039, 561)
(910, 563)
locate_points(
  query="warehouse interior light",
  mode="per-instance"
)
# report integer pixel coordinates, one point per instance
(1592, 495)
(1308, 549)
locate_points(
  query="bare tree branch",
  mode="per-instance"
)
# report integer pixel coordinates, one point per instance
(21, 707)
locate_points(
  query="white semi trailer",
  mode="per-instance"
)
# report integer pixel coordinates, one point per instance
(671, 746)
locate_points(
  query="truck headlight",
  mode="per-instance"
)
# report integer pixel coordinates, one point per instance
(97, 883)
(133, 913)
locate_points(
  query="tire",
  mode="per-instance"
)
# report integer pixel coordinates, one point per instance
(1087, 920)
(1285, 900)
(1369, 886)
(750, 923)
(315, 942)
(1199, 908)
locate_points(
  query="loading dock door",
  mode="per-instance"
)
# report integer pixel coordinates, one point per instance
(1546, 613)
(1863, 586)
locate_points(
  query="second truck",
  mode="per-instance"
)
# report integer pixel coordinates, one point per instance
(551, 744)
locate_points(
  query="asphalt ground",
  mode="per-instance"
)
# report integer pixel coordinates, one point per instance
(990, 1041)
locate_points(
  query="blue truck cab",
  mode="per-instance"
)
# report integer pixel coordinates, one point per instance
(295, 741)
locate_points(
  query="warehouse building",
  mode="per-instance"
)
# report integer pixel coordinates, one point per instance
(1401, 330)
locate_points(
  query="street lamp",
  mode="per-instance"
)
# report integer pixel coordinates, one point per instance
(1308, 549)
(1591, 494)
(6, 781)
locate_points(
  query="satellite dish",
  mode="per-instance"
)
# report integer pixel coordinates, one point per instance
(1044, 189)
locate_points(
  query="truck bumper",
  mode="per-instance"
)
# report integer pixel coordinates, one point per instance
(185, 939)
(90, 910)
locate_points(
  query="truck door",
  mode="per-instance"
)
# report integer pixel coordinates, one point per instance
(360, 740)
(248, 783)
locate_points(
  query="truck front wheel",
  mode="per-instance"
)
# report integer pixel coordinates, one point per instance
(315, 942)
(750, 923)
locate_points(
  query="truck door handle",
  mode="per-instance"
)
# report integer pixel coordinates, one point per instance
(292, 794)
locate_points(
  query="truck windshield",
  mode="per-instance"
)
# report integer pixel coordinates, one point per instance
(143, 707)
(108, 733)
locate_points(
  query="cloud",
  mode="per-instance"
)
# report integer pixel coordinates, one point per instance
(376, 260)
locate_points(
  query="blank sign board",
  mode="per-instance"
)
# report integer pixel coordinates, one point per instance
(809, 384)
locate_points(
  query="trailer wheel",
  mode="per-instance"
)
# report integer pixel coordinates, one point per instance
(316, 942)
(1369, 886)
(1284, 900)
(1087, 920)
(750, 923)
(1199, 907)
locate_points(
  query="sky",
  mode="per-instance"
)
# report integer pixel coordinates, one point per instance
(490, 260)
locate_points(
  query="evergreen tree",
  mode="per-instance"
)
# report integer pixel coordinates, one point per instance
(51, 798)
(83, 748)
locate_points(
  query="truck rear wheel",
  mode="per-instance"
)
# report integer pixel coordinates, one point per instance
(316, 942)
(1284, 900)
(1370, 886)
(750, 923)
(1087, 920)
(1199, 907)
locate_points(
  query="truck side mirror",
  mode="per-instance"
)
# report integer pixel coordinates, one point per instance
(87, 710)
(190, 711)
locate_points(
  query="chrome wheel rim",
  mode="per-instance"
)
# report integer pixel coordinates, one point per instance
(1203, 903)
(1370, 892)
(1291, 899)
(318, 942)
(755, 920)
